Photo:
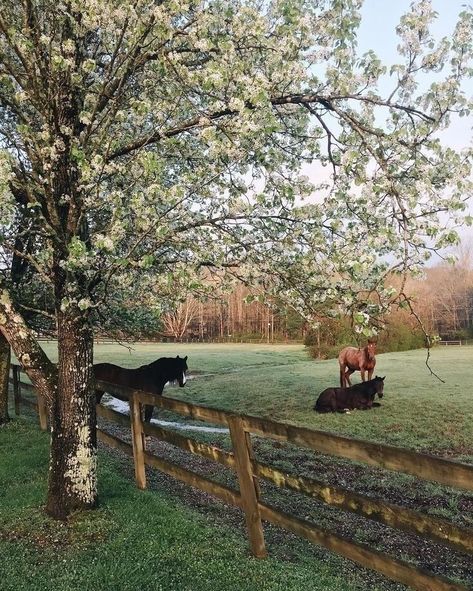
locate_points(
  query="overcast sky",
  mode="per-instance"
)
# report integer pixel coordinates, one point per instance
(378, 32)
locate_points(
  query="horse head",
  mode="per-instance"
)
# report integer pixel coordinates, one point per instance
(379, 385)
(370, 349)
(181, 368)
(167, 369)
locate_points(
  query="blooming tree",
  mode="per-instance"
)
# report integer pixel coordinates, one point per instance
(148, 140)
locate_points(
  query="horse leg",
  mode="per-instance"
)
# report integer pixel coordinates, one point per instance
(342, 375)
(148, 412)
(347, 376)
(363, 376)
(98, 395)
(370, 373)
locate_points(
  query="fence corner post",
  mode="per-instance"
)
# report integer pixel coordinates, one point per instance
(138, 441)
(248, 486)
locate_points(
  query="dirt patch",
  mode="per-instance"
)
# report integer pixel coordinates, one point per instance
(37, 530)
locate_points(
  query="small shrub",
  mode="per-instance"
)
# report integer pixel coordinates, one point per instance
(324, 351)
(402, 333)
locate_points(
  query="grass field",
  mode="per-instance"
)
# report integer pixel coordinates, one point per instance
(172, 538)
(281, 382)
(137, 540)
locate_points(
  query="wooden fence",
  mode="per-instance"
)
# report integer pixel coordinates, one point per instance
(249, 470)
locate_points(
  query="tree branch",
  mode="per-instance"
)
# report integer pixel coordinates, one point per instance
(205, 120)
(41, 371)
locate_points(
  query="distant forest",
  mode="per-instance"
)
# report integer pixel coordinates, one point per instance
(443, 301)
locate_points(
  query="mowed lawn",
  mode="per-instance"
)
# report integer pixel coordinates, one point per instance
(135, 541)
(418, 411)
(158, 541)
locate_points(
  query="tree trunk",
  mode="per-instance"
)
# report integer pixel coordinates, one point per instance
(31, 356)
(73, 453)
(4, 378)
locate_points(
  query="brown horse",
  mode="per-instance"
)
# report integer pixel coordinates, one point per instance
(352, 359)
(150, 378)
(359, 396)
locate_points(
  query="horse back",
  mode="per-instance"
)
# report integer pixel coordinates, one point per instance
(349, 356)
(330, 400)
(108, 372)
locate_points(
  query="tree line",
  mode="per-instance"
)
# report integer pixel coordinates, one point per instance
(442, 300)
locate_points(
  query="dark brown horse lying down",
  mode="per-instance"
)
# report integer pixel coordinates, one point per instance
(151, 378)
(358, 396)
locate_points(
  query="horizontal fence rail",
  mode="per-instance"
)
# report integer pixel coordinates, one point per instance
(423, 466)
(242, 460)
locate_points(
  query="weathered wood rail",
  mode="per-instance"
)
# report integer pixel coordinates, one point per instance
(249, 470)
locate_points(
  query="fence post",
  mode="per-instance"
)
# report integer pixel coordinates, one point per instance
(138, 441)
(251, 454)
(16, 388)
(249, 491)
(42, 411)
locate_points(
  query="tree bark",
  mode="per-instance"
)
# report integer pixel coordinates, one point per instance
(69, 392)
(32, 358)
(73, 454)
(4, 378)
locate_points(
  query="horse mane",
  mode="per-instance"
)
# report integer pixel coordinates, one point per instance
(361, 386)
(166, 368)
(166, 361)
(159, 362)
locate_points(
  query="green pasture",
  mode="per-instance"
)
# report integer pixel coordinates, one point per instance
(281, 382)
(157, 541)
(136, 540)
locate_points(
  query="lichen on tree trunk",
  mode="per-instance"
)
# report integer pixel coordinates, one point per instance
(68, 389)
(73, 453)
(4, 377)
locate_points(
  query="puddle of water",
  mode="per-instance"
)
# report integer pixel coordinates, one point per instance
(123, 407)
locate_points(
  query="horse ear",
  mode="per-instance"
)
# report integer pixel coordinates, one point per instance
(177, 356)
(185, 358)
(383, 378)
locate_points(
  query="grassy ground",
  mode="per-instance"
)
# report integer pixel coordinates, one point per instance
(280, 382)
(135, 540)
(175, 538)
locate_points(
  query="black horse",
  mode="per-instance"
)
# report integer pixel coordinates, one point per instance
(359, 396)
(150, 378)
